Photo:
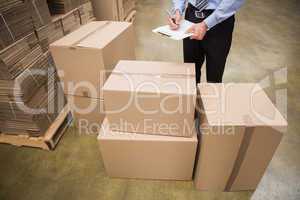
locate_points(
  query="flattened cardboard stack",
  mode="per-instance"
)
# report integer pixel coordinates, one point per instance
(17, 57)
(71, 21)
(149, 129)
(62, 6)
(240, 131)
(15, 22)
(50, 33)
(118, 10)
(64, 24)
(86, 13)
(85, 58)
(35, 88)
(40, 12)
(126, 7)
(28, 79)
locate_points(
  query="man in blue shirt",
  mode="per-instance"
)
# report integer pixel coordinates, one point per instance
(212, 33)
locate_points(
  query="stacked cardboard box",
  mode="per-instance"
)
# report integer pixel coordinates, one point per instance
(240, 131)
(118, 10)
(149, 128)
(84, 59)
(131, 155)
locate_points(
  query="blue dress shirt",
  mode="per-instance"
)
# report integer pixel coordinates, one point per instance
(223, 9)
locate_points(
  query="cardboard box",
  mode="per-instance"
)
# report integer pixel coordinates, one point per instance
(127, 155)
(240, 131)
(88, 113)
(85, 57)
(152, 98)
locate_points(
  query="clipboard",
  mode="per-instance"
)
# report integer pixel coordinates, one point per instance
(179, 34)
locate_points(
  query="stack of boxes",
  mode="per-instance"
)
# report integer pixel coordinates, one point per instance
(63, 24)
(117, 10)
(15, 22)
(84, 59)
(70, 21)
(49, 33)
(149, 129)
(86, 13)
(28, 76)
(62, 6)
(40, 12)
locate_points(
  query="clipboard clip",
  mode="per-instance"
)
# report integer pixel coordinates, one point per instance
(163, 34)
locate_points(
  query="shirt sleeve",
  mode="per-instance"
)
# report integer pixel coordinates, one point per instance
(179, 5)
(226, 9)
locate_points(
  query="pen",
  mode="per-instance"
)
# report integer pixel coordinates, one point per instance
(171, 16)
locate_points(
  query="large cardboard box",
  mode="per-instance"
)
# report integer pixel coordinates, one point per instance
(151, 97)
(85, 57)
(128, 155)
(88, 113)
(240, 131)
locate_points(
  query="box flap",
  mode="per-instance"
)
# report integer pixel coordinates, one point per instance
(243, 104)
(93, 35)
(78, 34)
(104, 35)
(152, 77)
(156, 68)
(107, 134)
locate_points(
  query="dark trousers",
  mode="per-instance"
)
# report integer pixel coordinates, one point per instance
(214, 47)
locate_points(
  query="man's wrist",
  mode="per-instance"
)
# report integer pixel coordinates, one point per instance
(210, 21)
(205, 25)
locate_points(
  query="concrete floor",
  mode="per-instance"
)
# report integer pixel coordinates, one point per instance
(266, 39)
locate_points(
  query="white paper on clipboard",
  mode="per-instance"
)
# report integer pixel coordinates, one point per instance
(178, 34)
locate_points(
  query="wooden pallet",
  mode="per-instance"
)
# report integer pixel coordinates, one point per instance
(51, 137)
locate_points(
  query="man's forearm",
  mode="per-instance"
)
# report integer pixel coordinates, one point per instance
(226, 9)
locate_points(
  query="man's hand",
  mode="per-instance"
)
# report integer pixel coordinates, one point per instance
(199, 30)
(175, 22)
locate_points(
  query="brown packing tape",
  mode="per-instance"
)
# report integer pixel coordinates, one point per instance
(73, 46)
(166, 75)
